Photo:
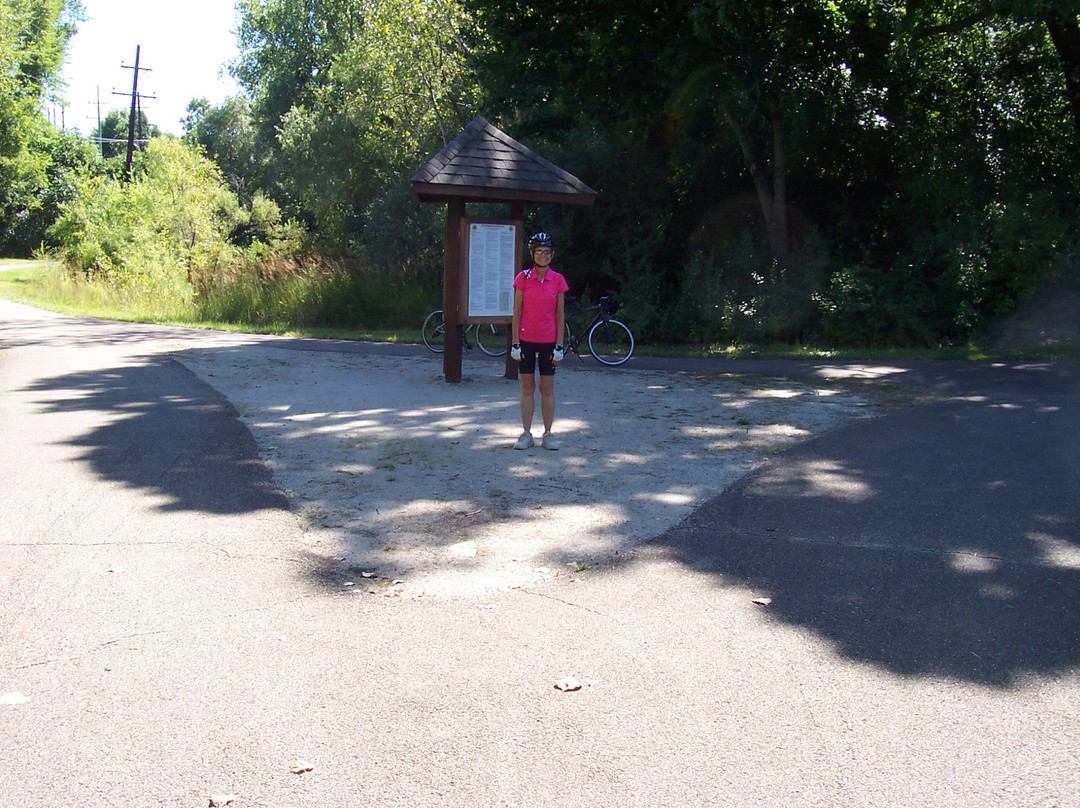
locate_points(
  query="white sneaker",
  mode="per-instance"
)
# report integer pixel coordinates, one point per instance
(525, 441)
(549, 442)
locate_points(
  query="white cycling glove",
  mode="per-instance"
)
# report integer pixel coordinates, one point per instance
(515, 351)
(559, 353)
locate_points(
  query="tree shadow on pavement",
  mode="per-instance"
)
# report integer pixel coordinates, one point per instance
(937, 541)
(160, 429)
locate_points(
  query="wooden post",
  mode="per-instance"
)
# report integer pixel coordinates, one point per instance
(455, 212)
(517, 213)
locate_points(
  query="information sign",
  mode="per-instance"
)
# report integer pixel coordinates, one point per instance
(492, 252)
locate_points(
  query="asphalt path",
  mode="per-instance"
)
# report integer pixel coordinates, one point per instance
(885, 615)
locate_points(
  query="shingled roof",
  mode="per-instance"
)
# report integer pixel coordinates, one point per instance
(484, 164)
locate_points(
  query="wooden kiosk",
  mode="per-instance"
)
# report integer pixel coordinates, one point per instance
(484, 164)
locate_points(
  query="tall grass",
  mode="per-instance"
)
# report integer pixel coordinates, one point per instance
(279, 295)
(48, 285)
(315, 293)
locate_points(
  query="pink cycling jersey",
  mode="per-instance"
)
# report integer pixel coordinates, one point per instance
(538, 300)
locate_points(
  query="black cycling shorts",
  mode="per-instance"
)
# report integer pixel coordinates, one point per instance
(532, 352)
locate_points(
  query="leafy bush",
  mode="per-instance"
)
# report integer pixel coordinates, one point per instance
(919, 302)
(167, 231)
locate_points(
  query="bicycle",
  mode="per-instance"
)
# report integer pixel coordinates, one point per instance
(609, 341)
(489, 337)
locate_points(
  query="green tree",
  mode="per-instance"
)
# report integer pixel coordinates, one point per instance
(33, 34)
(1061, 19)
(696, 94)
(227, 135)
(287, 48)
(354, 95)
(907, 150)
(763, 63)
(66, 160)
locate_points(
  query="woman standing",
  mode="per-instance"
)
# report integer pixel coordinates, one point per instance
(538, 325)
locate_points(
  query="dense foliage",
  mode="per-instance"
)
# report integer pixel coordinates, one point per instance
(35, 161)
(857, 172)
(348, 98)
(164, 232)
(868, 172)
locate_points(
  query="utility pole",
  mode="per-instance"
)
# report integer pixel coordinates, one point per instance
(100, 140)
(134, 110)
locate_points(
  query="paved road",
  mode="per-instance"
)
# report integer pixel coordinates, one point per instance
(174, 637)
(938, 541)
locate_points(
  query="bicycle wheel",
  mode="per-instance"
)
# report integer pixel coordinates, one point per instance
(491, 338)
(434, 331)
(611, 342)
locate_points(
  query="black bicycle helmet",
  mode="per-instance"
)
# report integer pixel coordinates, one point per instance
(541, 240)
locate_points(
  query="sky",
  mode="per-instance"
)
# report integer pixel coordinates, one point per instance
(185, 43)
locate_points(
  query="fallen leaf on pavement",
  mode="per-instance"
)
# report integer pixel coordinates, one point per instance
(568, 684)
(762, 601)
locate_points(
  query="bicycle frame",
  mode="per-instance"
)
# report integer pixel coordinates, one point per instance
(577, 314)
(602, 320)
